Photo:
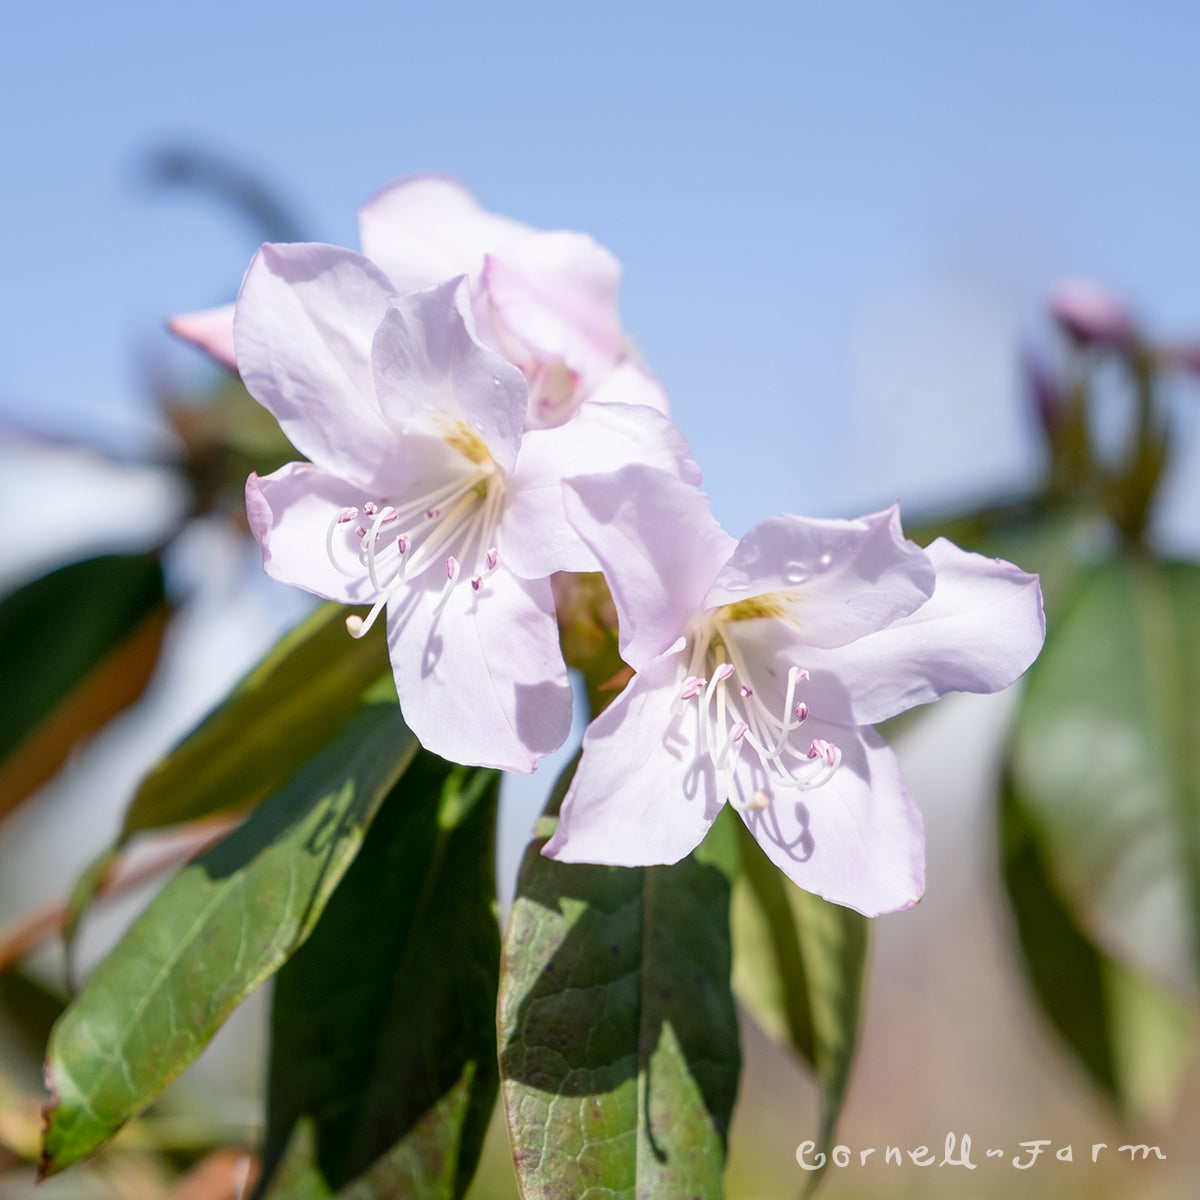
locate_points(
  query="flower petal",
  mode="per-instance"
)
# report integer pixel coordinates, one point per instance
(481, 682)
(837, 580)
(978, 632)
(290, 512)
(424, 229)
(434, 377)
(597, 440)
(631, 382)
(211, 330)
(857, 840)
(305, 318)
(659, 547)
(637, 797)
(556, 293)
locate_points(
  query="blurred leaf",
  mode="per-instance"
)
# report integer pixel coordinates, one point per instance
(90, 881)
(1106, 762)
(1130, 1034)
(241, 188)
(619, 1040)
(288, 707)
(799, 964)
(76, 647)
(224, 438)
(384, 1024)
(218, 929)
(28, 1010)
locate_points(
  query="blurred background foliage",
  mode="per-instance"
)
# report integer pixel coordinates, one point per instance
(1085, 845)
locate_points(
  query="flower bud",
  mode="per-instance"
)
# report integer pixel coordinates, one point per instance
(1090, 315)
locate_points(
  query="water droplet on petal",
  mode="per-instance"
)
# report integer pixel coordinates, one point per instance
(795, 572)
(825, 560)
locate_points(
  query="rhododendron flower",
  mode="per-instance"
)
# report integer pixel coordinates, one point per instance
(760, 667)
(424, 496)
(546, 301)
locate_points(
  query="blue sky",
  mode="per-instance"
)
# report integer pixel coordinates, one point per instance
(836, 220)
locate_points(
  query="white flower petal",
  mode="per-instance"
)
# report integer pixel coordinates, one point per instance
(481, 681)
(858, 839)
(556, 293)
(600, 439)
(305, 318)
(424, 229)
(433, 376)
(290, 513)
(638, 796)
(838, 580)
(631, 382)
(211, 330)
(978, 632)
(659, 547)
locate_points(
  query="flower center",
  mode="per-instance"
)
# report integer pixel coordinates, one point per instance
(733, 719)
(449, 528)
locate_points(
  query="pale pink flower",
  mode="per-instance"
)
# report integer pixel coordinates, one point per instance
(424, 495)
(1091, 315)
(546, 301)
(761, 666)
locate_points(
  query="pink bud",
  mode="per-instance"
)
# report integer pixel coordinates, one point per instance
(1091, 315)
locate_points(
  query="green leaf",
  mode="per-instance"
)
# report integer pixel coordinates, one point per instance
(277, 717)
(76, 647)
(1131, 1035)
(1106, 766)
(799, 966)
(217, 930)
(383, 1047)
(619, 1044)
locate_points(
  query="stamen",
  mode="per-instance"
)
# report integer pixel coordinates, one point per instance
(346, 514)
(794, 674)
(735, 735)
(728, 720)
(448, 587)
(461, 515)
(820, 748)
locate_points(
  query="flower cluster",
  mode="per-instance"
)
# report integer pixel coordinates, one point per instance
(475, 422)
